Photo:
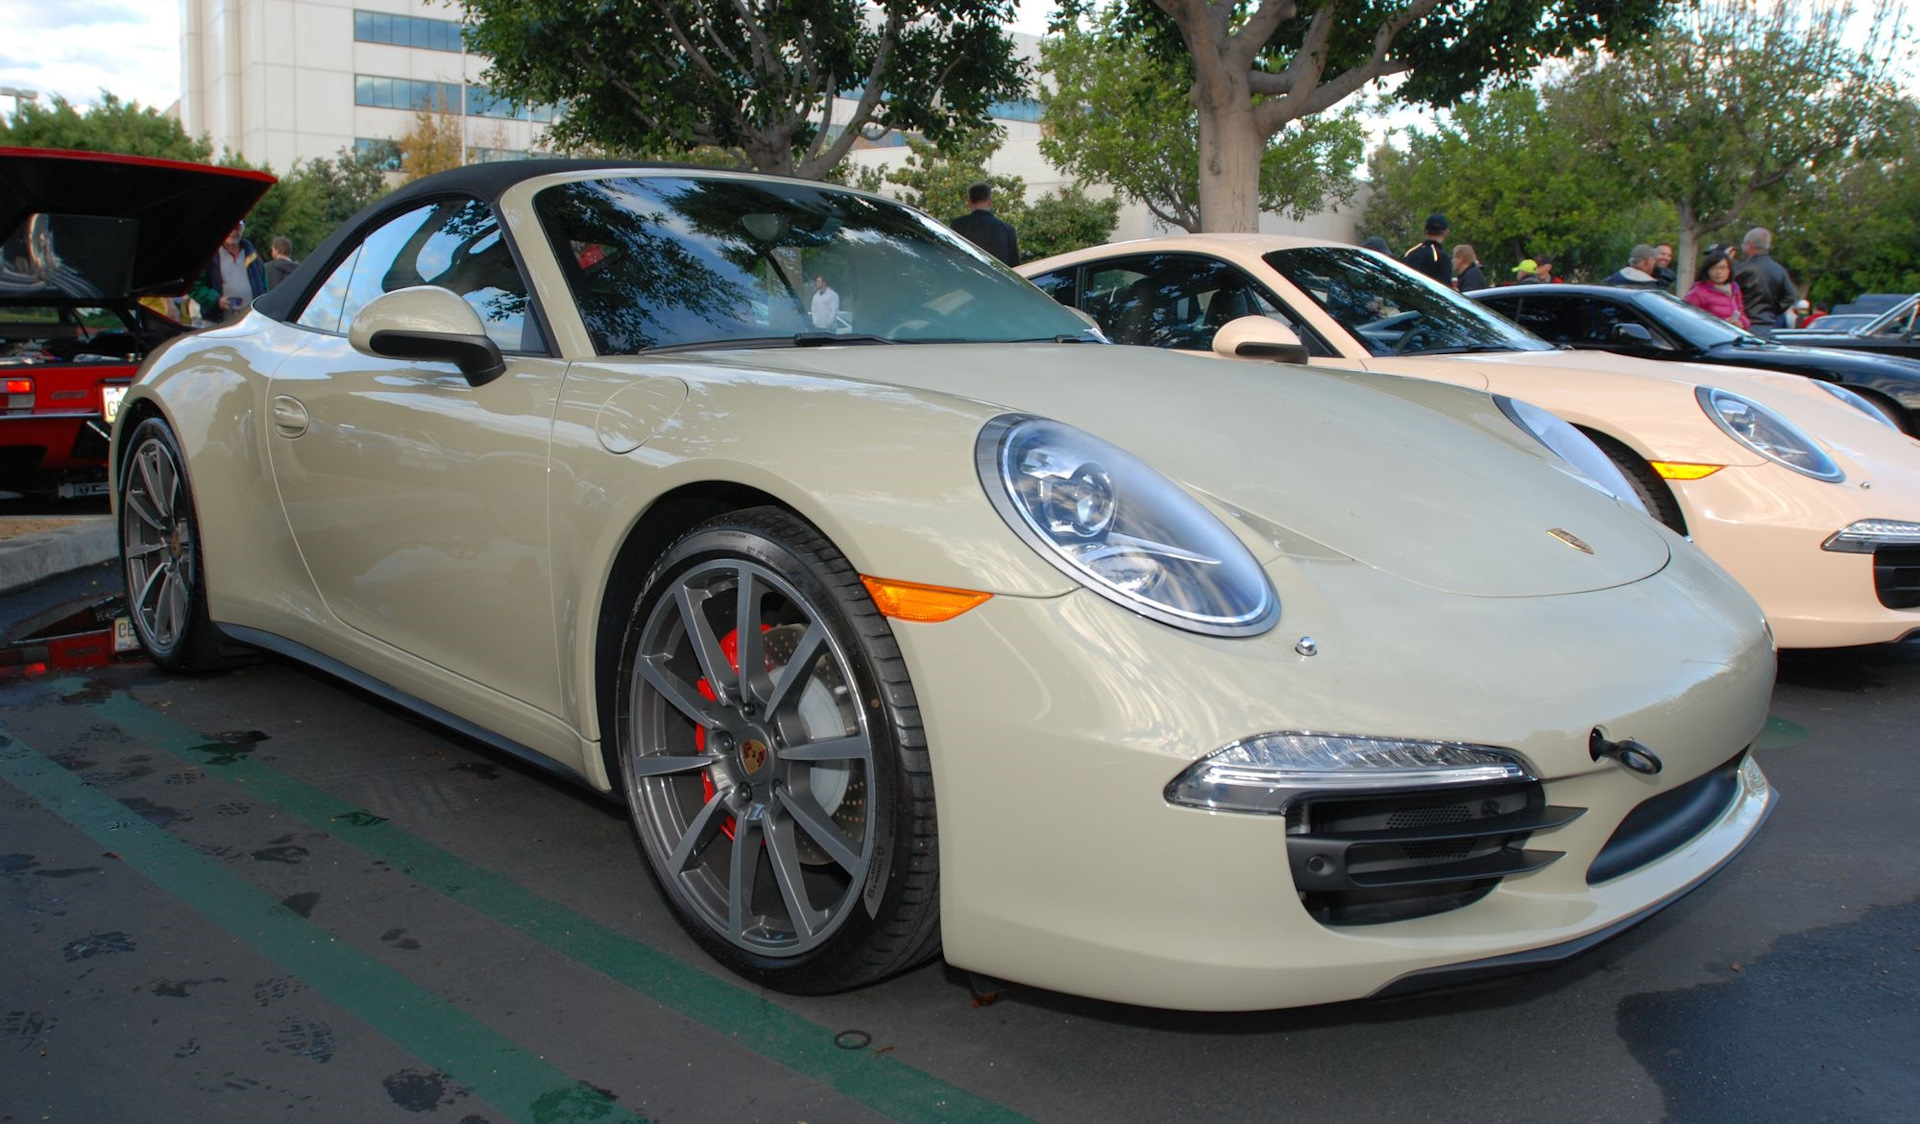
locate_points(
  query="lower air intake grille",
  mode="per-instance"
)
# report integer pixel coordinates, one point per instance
(1658, 826)
(1372, 859)
(1896, 576)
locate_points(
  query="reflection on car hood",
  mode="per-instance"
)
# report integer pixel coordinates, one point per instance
(1422, 480)
(180, 211)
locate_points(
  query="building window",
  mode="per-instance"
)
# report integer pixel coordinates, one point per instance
(1025, 109)
(386, 151)
(494, 155)
(406, 93)
(406, 31)
(482, 102)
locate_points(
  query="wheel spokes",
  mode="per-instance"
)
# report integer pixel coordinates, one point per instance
(789, 876)
(812, 819)
(700, 832)
(742, 868)
(799, 668)
(678, 694)
(660, 765)
(853, 747)
(751, 644)
(706, 647)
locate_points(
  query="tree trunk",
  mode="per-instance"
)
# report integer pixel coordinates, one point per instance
(1687, 253)
(1230, 151)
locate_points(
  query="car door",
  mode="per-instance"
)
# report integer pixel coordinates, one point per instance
(417, 500)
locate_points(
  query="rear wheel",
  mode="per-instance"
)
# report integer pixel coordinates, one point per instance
(773, 761)
(160, 553)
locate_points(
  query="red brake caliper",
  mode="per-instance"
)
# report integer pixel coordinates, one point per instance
(730, 648)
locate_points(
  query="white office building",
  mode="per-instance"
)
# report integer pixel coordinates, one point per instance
(284, 80)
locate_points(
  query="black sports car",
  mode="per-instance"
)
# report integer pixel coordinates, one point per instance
(1655, 324)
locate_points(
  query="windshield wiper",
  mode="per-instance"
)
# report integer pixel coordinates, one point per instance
(1465, 349)
(829, 339)
(801, 339)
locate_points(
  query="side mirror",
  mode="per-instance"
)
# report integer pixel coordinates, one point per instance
(1257, 337)
(1631, 333)
(430, 323)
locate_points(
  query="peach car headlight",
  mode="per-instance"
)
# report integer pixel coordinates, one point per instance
(1107, 520)
(1767, 433)
(1583, 459)
(1267, 773)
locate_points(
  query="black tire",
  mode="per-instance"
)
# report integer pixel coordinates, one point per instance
(1647, 484)
(160, 554)
(817, 761)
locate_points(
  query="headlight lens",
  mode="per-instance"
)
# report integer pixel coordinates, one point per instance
(1267, 773)
(1767, 433)
(1122, 529)
(1859, 403)
(1589, 465)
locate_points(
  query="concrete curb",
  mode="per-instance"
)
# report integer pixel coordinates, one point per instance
(30, 558)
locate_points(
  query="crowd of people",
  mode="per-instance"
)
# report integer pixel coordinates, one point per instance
(1739, 283)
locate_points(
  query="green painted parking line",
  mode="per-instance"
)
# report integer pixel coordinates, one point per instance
(888, 1086)
(1781, 734)
(486, 1063)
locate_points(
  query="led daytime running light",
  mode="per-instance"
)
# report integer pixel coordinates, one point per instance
(1267, 773)
(1864, 536)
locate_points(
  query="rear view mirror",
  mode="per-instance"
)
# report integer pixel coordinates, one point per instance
(1257, 337)
(426, 322)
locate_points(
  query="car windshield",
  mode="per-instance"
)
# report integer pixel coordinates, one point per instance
(1896, 322)
(1391, 309)
(1695, 325)
(679, 262)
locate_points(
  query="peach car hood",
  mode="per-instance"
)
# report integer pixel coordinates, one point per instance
(1428, 482)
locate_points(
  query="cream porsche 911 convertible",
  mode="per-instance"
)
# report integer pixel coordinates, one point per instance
(1805, 491)
(907, 617)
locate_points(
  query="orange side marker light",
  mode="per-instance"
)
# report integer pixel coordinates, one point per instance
(911, 601)
(1672, 470)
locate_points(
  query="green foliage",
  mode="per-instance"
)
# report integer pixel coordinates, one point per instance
(1512, 177)
(936, 179)
(1857, 230)
(1118, 112)
(314, 197)
(758, 81)
(1730, 101)
(1065, 220)
(111, 126)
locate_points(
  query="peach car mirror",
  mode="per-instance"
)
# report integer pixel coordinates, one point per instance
(426, 322)
(1257, 337)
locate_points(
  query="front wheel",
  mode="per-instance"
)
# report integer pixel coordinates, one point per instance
(161, 555)
(773, 761)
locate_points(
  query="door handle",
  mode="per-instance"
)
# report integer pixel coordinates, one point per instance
(289, 416)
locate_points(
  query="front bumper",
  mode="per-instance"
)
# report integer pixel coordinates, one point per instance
(1063, 865)
(1767, 527)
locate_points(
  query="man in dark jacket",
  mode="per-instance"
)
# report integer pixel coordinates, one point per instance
(1769, 292)
(235, 278)
(985, 229)
(1639, 271)
(1430, 257)
(1466, 269)
(281, 265)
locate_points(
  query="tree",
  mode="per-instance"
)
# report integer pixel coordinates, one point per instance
(1118, 112)
(111, 126)
(756, 80)
(315, 196)
(1065, 220)
(436, 143)
(1857, 229)
(1509, 171)
(1731, 99)
(1260, 64)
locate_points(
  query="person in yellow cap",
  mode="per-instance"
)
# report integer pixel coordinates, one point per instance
(1523, 274)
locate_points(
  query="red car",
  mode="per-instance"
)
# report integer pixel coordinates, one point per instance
(86, 234)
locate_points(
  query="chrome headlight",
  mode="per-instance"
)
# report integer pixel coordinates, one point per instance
(1860, 403)
(1588, 463)
(1267, 773)
(1767, 433)
(1122, 529)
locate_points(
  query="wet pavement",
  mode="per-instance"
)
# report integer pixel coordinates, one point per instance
(264, 896)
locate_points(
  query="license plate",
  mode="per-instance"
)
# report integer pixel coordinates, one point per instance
(110, 397)
(123, 637)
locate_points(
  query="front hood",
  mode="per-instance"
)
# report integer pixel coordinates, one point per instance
(1425, 481)
(116, 226)
(1785, 357)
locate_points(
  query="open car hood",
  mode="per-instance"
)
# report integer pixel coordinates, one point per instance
(1422, 480)
(101, 226)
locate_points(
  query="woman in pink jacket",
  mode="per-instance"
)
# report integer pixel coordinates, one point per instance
(1716, 291)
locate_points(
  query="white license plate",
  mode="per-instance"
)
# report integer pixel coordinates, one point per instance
(123, 637)
(110, 397)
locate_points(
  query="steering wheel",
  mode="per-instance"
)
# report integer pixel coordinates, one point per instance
(1415, 330)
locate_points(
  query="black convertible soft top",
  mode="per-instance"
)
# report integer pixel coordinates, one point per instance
(485, 182)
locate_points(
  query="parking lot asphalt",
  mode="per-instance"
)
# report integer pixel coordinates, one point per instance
(264, 896)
